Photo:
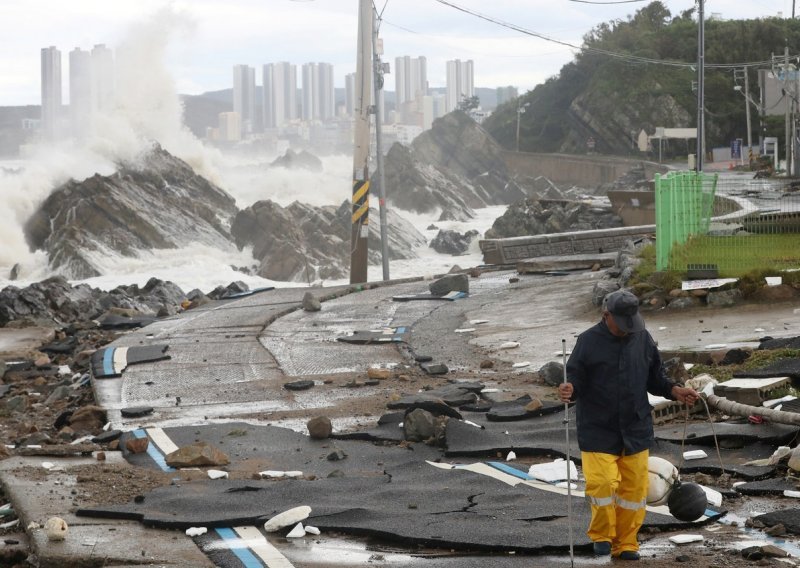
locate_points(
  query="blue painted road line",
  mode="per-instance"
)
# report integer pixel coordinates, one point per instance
(237, 546)
(108, 361)
(153, 452)
(511, 470)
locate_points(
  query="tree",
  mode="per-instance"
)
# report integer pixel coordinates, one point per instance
(469, 103)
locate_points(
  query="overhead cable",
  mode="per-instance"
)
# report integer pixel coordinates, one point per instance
(623, 56)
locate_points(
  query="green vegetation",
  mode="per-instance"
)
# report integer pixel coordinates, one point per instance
(740, 255)
(623, 97)
(757, 360)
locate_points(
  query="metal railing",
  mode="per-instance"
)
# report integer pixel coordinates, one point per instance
(728, 225)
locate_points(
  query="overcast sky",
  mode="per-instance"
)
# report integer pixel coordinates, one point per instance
(210, 36)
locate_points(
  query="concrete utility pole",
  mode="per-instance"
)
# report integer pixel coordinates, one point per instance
(788, 99)
(378, 71)
(749, 127)
(701, 74)
(360, 203)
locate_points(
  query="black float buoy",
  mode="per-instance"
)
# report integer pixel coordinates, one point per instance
(687, 501)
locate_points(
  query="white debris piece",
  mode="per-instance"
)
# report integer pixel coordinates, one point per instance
(511, 456)
(196, 531)
(472, 424)
(64, 370)
(774, 280)
(716, 345)
(312, 530)
(563, 485)
(553, 471)
(32, 526)
(694, 455)
(217, 474)
(790, 493)
(56, 528)
(699, 382)
(509, 345)
(521, 364)
(489, 391)
(714, 497)
(759, 330)
(685, 538)
(9, 524)
(774, 401)
(464, 330)
(293, 474)
(662, 328)
(471, 322)
(737, 483)
(297, 532)
(287, 518)
(48, 465)
(272, 474)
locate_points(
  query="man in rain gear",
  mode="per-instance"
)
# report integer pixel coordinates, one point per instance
(614, 365)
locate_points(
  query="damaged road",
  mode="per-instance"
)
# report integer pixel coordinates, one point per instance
(449, 502)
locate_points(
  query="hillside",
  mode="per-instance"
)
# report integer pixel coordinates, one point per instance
(611, 99)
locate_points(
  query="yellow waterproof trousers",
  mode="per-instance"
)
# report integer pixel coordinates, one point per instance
(616, 489)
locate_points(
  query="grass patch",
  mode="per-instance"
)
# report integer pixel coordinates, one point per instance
(237, 433)
(738, 255)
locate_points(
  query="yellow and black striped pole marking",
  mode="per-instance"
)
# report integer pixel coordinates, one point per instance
(360, 227)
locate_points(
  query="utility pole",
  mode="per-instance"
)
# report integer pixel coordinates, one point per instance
(747, 102)
(701, 74)
(788, 100)
(378, 73)
(360, 199)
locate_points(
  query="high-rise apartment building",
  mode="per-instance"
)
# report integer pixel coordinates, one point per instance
(411, 78)
(280, 94)
(51, 91)
(102, 78)
(350, 94)
(505, 94)
(80, 91)
(244, 97)
(460, 82)
(319, 102)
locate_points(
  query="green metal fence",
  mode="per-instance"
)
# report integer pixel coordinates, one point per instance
(731, 225)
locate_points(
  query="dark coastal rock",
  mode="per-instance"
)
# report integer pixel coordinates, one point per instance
(304, 243)
(452, 242)
(302, 160)
(455, 167)
(156, 202)
(534, 216)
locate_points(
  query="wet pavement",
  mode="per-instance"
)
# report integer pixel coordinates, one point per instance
(393, 505)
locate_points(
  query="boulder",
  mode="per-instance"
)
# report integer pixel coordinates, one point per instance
(452, 242)
(310, 303)
(319, 427)
(195, 455)
(419, 425)
(449, 283)
(88, 419)
(724, 298)
(552, 373)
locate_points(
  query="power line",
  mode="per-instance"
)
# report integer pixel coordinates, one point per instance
(612, 2)
(623, 56)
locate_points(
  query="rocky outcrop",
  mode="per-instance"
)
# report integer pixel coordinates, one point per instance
(54, 300)
(538, 217)
(303, 243)
(298, 160)
(454, 167)
(452, 242)
(158, 202)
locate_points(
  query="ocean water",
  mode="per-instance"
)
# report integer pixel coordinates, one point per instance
(200, 266)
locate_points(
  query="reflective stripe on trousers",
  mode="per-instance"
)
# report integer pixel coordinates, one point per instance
(616, 489)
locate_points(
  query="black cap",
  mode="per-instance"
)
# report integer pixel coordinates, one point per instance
(624, 308)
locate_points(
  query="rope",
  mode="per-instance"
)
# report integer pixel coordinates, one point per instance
(713, 433)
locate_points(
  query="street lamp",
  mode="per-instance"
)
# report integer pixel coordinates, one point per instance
(520, 110)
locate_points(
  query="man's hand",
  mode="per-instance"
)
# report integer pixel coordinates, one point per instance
(685, 395)
(565, 391)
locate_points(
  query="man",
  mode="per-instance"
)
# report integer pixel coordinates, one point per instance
(612, 368)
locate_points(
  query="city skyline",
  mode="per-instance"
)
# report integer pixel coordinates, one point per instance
(202, 49)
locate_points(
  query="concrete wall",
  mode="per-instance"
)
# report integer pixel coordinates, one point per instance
(514, 249)
(574, 169)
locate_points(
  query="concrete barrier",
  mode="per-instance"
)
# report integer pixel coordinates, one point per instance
(513, 249)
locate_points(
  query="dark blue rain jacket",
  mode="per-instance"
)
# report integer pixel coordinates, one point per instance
(611, 377)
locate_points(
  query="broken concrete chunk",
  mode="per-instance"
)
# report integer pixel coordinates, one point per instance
(196, 531)
(297, 532)
(553, 471)
(312, 530)
(449, 283)
(419, 425)
(137, 445)
(217, 474)
(379, 374)
(552, 373)
(509, 345)
(310, 303)
(435, 368)
(287, 518)
(56, 528)
(136, 411)
(685, 538)
(694, 455)
(298, 385)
